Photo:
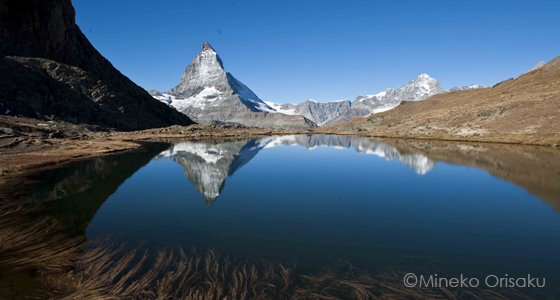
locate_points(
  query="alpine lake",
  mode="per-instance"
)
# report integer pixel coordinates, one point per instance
(423, 207)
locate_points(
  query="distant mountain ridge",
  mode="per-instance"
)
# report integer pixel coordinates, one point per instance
(207, 93)
(470, 87)
(318, 112)
(332, 113)
(419, 88)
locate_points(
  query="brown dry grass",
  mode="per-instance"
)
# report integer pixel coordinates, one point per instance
(175, 274)
(27, 244)
(525, 110)
(30, 244)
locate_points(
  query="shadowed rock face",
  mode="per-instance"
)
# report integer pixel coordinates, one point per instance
(208, 164)
(48, 67)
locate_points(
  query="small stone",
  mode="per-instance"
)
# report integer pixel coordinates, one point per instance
(56, 135)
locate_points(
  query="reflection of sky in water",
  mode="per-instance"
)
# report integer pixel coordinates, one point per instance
(324, 199)
(208, 165)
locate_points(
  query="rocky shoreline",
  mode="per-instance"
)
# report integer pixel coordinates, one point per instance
(27, 144)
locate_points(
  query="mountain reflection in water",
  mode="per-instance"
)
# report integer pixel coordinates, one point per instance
(207, 164)
(395, 207)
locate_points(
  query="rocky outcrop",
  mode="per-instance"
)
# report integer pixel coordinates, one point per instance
(538, 66)
(272, 120)
(323, 112)
(48, 69)
(318, 112)
(207, 93)
(348, 115)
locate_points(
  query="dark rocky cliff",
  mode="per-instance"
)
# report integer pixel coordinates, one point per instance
(49, 68)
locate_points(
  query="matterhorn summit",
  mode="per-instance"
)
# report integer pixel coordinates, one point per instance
(207, 93)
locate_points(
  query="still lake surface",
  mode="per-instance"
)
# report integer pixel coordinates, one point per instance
(313, 200)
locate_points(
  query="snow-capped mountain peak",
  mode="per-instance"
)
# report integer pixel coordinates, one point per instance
(419, 88)
(205, 70)
(207, 93)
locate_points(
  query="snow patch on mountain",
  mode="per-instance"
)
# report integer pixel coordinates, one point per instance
(378, 95)
(288, 108)
(380, 110)
(207, 97)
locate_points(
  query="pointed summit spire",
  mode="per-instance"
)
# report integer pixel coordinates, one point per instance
(206, 46)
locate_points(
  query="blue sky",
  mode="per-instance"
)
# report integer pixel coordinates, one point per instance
(289, 51)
